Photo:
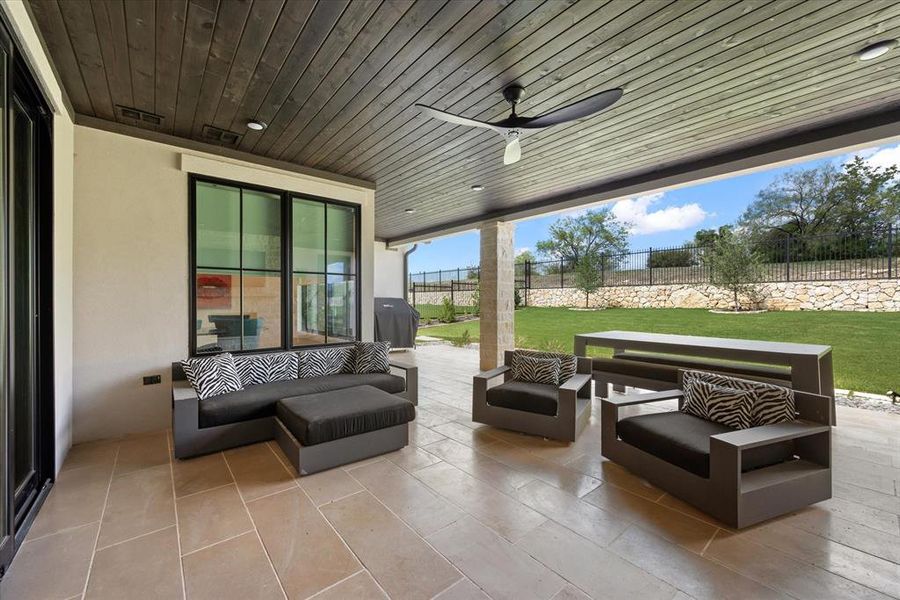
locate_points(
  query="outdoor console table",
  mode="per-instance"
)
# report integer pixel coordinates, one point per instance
(810, 364)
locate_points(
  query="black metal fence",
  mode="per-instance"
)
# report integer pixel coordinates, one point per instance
(875, 255)
(444, 300)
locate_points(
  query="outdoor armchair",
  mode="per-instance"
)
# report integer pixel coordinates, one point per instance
(556, 412)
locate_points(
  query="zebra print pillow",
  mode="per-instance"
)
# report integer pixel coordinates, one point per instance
(536, 370)
(266, 368)
(568, 363)
(212, 375)
(328, 361)
(372, 357)
(727, 406)
(771, 404)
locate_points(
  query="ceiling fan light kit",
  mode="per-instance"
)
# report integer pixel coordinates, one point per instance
(512, 127)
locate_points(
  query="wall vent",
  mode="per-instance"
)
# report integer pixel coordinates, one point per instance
(221, 136)
(134, 114)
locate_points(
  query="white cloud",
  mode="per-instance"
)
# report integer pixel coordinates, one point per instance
(885, 157)
(636, 213)
(521, 250)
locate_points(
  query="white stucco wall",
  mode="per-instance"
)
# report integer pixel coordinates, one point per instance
(131, 270)
(388, 271)
(63, 131)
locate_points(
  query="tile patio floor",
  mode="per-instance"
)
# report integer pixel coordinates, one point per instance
(463, 512)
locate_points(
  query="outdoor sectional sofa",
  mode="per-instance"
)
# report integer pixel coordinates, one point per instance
(201, 426)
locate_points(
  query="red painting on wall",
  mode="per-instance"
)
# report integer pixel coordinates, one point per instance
(213, 291)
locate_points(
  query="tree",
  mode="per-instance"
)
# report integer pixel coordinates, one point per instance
(868, 197)
(708, 237)
(670, 258)
(588, 276)
(524, 256)
(593, 233)
(734, 265)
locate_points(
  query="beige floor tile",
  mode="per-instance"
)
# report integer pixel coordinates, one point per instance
(827, 525)
(139, 503)
(463, 589)
(474, 438)
(306, 552)
(210, 517)
(142, 452)
(429, 419)
(77, 498)
(699, 577)
(147, 567)
(674, 526)
(200, 474)
(503, 514)
(595, 570)
(875, 518)
(585, 519)
(681, 506)
(595, 465)
(886, 502)
(258, 471)
(421, 436)
(402, 563)
(91, 454)
(407, 497)
(847, 562)
(328, 486)
(412, 458)
(493, 564)
(53, 567)
(562, 477)
(780, 571)
(570, 592)
(480, 466)
(236, 569)
(358, 587)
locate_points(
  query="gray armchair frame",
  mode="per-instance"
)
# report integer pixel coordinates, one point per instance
(735, 498)
(192, 440)
(573, 404)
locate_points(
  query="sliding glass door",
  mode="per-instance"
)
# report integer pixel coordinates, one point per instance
(26, 291)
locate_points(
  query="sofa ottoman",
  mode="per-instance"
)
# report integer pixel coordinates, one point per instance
(328, 429)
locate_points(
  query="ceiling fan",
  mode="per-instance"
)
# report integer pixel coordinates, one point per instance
(512, 127)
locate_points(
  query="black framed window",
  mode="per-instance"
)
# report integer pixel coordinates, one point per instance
(270, 269)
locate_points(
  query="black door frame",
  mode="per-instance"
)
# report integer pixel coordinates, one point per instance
(21, 80)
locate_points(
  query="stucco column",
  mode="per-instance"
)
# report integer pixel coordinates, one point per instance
(497, 292)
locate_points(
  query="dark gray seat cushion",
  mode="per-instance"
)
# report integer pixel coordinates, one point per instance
(256, 401)
(540, 398)
(318, 418)
(683, 440)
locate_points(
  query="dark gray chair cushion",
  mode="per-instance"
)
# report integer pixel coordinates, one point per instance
(318, 418)
(540, 398)
(256, 401)
(683, 440)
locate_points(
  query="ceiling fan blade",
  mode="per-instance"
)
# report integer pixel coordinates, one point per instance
(455, 119)
(582, 108)
(513, 152)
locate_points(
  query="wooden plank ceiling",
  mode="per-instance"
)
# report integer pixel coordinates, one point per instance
(336, 80)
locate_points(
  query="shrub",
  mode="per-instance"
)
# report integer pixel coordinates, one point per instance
(517, 298)
(448, 311)
(670, 258)
(463, 340)
(588, 276)
(735, 266)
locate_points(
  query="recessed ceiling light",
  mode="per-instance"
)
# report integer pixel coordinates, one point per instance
(875, 50)
(256, 125)
(409, 211)
(477, 188)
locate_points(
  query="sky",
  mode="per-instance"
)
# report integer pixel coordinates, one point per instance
(657, 220)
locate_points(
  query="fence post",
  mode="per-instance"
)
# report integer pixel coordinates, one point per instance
(787, 256)
(440, 277)
(414, 294)
(452, 295)
(562, 275)
(890, 250)
(457, 274)
(650, 264)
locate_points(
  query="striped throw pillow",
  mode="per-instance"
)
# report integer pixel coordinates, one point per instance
(568, 363)
(372, 357)
(727, 406)
(212, 375)
(327, 361)
(771, 404)
(256, 369)
(536, 370)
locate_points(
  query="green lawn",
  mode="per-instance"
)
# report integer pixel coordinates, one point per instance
(866, 345)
